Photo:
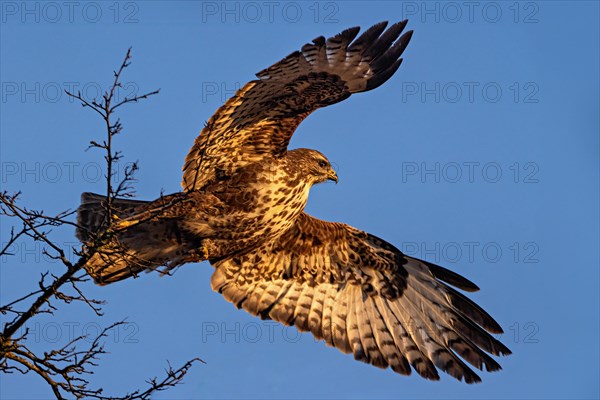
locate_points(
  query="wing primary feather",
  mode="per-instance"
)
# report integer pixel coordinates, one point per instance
(476, 313)
(338, 44)
(386, 39)
(367, 38)
(470, 352)
(479, 336)
(383, 60)
(438, 351)
(379, 78)
(459, 322)
(439, 292)
(451, 277)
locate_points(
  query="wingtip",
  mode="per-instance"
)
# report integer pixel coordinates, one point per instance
(381, 77)
(505, 351)
(347, 35)
(451, 277)
(319, 40)
(400, 25)
(492, 326)
(474, 379)
(353, 31)
(380, 24)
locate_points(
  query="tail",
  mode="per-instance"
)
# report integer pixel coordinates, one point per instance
(91, 214)
(142, 247)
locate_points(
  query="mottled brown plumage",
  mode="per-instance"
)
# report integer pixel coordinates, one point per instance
(242, 208)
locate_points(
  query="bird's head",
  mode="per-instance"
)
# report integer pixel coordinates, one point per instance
(313, 165)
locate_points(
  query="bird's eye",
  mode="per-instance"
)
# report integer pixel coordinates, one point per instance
(322, 163)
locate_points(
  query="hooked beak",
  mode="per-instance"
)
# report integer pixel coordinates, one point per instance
(332, 176)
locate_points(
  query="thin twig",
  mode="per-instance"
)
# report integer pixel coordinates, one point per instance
(64, 368)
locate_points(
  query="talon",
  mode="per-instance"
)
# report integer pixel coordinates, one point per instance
(116, 217)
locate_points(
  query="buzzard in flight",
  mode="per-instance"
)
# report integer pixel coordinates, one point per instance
(242, 209)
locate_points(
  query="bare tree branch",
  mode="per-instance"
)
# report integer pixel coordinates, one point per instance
(66, 369)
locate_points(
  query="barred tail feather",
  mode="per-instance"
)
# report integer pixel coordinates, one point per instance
(143, 247)
(91, 214)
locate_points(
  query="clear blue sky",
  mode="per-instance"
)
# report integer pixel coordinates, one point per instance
(480, 154)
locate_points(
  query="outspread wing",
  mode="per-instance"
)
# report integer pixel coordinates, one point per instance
(363, 296)
(260, 119)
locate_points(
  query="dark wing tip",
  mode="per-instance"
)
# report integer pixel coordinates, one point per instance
(265, 73)
(501, 349)
(492, 366)
(383, 52)
(349, 34)
(368, 37)
(319, 41)
(351, 31)
(472, 378)
(451, 277)
(402, 24)
(426, 370)
(473, 311)
(378, 27)
(381, 77)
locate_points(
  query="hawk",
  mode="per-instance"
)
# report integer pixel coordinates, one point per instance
(242, 209)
